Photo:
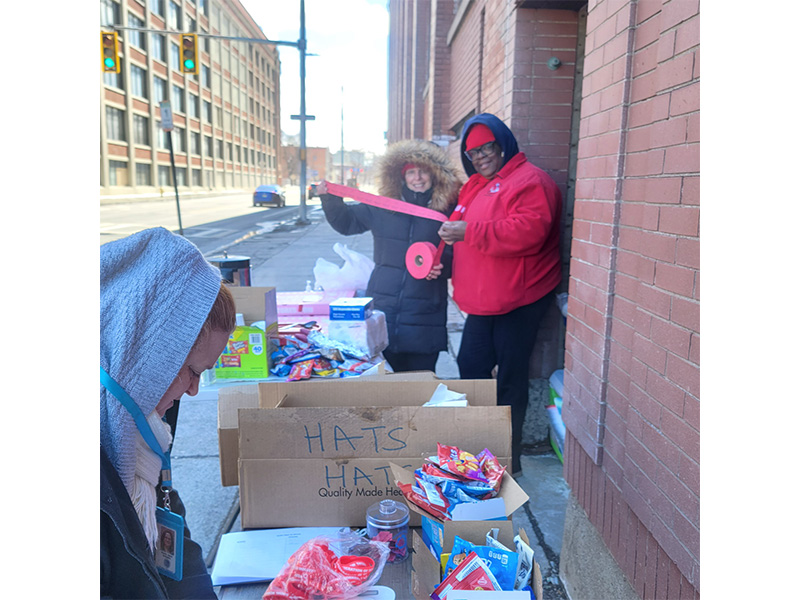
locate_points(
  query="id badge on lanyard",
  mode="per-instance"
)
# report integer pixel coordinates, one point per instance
(169, 546)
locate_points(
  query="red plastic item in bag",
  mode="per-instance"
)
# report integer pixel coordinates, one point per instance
(315, 571)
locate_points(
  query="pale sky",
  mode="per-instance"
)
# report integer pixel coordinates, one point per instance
(351, 39)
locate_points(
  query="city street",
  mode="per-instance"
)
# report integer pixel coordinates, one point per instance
(209, 222)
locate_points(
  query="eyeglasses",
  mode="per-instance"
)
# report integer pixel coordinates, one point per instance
(481, 151)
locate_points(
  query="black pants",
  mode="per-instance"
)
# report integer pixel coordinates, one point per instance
(411, 361)
(506, 341)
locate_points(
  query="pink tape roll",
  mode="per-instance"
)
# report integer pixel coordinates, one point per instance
(420, 258)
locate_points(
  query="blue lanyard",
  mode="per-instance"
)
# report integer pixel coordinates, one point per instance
(116, 390)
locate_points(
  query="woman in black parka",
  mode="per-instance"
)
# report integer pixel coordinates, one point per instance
(418, 172)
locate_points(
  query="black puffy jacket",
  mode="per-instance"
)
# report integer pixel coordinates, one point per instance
(416, 309)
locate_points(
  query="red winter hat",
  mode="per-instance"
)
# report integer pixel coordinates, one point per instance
(479, 134)
(406, 167)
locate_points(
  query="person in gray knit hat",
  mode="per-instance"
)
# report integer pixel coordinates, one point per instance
(165, 317)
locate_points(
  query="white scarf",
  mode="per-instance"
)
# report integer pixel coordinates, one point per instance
(148, 469)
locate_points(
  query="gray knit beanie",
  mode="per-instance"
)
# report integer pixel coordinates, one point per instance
(156, 290)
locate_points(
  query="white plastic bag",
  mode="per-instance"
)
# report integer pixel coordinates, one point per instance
(352, 275)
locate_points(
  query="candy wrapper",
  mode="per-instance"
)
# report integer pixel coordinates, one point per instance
(430, 500)
(459, 462)
(471, 574)
(330, 568)
(451, 485)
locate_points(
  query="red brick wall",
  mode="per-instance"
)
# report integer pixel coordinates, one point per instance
(464, 67)
(631, 403)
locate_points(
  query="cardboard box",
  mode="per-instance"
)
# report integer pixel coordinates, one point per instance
(350, 309)
(257, 304)
(426, 568)
(325, 448)
(235, 397)
(246, 355)
(398, 389)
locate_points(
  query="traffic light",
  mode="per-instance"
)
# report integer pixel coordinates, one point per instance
(189, 60)
(109, 44)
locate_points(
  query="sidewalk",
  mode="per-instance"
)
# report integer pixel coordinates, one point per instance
(285, 258)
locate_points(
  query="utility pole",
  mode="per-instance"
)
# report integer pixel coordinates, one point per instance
(302, 117)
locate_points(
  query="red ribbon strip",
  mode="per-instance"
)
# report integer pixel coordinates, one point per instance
(384, 202)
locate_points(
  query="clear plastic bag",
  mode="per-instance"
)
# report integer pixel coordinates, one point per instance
(352, 275)
(333, 568)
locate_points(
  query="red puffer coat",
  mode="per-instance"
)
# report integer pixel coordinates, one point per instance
(510, 254)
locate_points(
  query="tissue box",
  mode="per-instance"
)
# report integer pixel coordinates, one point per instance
(370, 335)
(350, 309)
(246, 356)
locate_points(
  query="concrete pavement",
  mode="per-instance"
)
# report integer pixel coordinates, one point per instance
(285, 258)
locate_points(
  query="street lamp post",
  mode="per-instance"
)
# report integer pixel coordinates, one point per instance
(302, 117)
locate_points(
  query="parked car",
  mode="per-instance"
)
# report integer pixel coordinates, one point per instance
(269, 195)
(312, 190)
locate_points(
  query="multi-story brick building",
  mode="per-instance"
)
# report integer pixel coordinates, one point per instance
(226, 119)
(604, 95)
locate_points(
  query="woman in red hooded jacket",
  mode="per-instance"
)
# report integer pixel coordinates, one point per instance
(506, 261)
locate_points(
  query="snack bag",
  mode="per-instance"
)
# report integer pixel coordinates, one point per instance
(330, 568)
(491, 468)
(471, 574)
(428, 500)
(501, 562)
(459, 462)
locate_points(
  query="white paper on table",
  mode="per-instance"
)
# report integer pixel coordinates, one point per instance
(259, 554)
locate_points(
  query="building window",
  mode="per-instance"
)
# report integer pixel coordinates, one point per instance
(219, 150)
(142, 174)
(138, 81)
(141, 130)
(113, 79)
(197, 177)
(164, 176)
(109, 13)
(178, 141)
(196, 137)
(136, 38)
(191, 24)
(202, 6)
(157, 7)
(209, 146)
(230, 152)
(115, 124)
(117, 173)
(163, 143)
(205, 76)
(207, 110)
(174, 56)
(157, 47)
(177, 98)
(159, 89)
(174, 16)
(180, 176)
(194, 105)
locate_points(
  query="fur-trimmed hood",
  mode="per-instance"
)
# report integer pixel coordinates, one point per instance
(427, 155)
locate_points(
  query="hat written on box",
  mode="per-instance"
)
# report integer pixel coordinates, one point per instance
(479, 134)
